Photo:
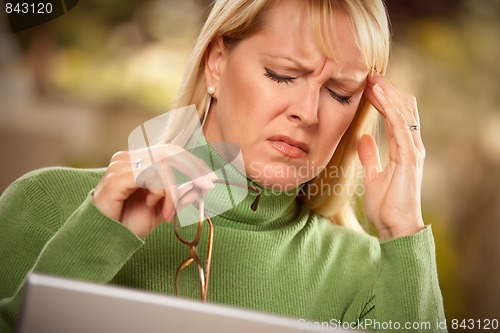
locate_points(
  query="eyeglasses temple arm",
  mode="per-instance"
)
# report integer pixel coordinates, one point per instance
(209, 251)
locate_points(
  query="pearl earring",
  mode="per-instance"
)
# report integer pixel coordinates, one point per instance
(211, 90)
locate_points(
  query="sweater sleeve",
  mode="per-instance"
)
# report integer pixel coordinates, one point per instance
(36, 235)
(407, 297)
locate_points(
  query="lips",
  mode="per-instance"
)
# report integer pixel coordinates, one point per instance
(289, 147)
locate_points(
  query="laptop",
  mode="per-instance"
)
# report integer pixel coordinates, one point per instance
(56, 305)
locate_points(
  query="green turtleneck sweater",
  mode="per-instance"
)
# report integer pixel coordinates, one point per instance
(279, 259)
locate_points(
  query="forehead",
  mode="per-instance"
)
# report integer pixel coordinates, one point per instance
(288, 28)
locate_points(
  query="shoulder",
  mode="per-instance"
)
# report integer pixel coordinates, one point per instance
(49, 191)
(60, 176)
(59, 180)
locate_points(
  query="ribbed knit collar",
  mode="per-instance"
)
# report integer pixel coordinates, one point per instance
(276, 209)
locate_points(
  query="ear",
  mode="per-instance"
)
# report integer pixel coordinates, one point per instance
(215, 58)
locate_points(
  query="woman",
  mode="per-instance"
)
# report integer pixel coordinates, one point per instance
(292, 84)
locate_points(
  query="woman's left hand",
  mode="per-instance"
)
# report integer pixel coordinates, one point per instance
(392, 194)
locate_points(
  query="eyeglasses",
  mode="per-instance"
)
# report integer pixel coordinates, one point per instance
(204, 273)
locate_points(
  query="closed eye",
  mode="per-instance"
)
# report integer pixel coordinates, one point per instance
(278, 78)
(344, 100)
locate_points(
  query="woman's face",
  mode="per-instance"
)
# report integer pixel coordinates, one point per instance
(281, 100)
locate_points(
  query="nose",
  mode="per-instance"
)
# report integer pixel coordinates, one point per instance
(304, 109)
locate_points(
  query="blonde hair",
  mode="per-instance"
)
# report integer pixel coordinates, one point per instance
(234, 20)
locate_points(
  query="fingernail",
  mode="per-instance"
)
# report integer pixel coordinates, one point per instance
(378, 89)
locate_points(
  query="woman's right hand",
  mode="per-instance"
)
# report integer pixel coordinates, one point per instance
(142, 194)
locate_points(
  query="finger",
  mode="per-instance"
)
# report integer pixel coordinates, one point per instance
(153, 198)
(417, 135)
(370, 96)
(190, 193)
(160, 176)
(168, 207)
(414, 107)
(153, 178)
(154, 158)
(157, 179)
(118, 181)
(369, 155)
(393, 146)
(171, 193)
(397, 98)
(396, 119)
(144, 158)
(397, 95)
(387, 124)
(406, 103)
(152, 169)
(116, 186)
(189, 198)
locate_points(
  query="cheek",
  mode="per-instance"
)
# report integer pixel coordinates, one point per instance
(239, 96)
(240, 77)
(331, 130)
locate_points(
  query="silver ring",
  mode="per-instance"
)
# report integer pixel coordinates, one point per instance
(138, 164)
(413, 127)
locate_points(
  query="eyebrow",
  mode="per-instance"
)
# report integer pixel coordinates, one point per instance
(343, 81)
(305, 69)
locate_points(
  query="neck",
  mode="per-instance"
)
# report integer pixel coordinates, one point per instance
(237, 201)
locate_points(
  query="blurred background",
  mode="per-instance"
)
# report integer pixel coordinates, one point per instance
(71, 91)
